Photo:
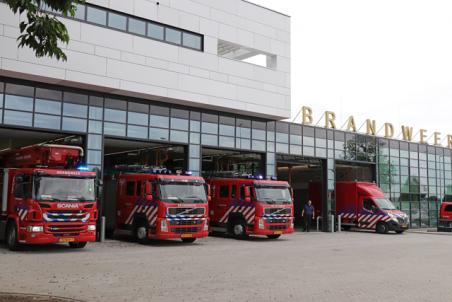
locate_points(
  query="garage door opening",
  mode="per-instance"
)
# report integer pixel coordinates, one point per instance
(346, 171)
(118, 152)
(306, 176)
(229, 163)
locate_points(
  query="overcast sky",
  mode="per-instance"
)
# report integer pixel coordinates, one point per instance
(390, 60)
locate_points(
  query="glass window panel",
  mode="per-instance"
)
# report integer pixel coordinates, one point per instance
(243, 132)
(178, 123)
(320, 152)
(295, 150)
(50, 107)
(117, 21)
(295, 139)
(17, 118)
(18, 102)
(96, 15)
(259, 134)
(227, 141)
(173, 36)
(95, 127)
(209, 128)
(227, 130)
(282, 148)
(207, 139)
(94, 157)
(155, 31)
(74, 124)
(137, 26)
(1, 100)
(96, 113)
(195, 126)
(179, 136)
(159, 121)
(80, 12)
(75, 110)
(195, 138)
(20, 90)
(94, 141)
(308, 141)
(192, 41)
(137, 131)
(271, 136)
(114, 115)
(138, 118)
(195, 151)
(259, 145)
(47, 121)
(282, 137)
(159, 134)
(308, 151)
(271, 146)
(243, 143)
(48, 94)
(114, 129)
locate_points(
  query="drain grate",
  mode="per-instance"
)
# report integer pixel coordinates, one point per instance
(13, 297)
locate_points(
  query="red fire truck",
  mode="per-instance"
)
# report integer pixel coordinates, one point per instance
(364, 205)
(251, 206)
(45, 198)
(445, 215)
(156, 204)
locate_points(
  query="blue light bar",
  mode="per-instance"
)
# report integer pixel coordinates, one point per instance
(260, 177)
(83, 168)
(188, 173)
(274, 178)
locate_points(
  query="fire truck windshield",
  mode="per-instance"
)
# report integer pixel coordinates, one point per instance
(273, 194)
(385, 204)
(183, 192)
(68, 189)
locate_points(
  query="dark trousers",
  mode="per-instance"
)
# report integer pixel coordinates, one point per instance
(307, 222)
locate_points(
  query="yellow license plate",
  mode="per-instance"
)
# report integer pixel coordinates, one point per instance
(67, 239)
(278, 233)
(186, 236)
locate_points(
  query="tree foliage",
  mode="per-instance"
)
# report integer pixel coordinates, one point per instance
(42, 31)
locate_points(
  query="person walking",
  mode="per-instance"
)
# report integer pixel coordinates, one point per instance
(308, 215)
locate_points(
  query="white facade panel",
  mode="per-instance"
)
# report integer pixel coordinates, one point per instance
(109, 60)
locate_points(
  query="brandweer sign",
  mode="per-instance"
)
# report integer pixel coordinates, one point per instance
(371, 128)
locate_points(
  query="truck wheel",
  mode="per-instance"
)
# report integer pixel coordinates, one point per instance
(382, 228)
(11, 237)
(141, 232)
(77, 245)
(188, 240)
(239, 229)
(273, 236)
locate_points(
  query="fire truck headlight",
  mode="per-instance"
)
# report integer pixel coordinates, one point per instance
(261, 224)
(91, 227)
(35, 229)
(206, 225)
(163, 226)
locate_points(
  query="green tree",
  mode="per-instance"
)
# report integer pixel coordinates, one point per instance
(42, 31)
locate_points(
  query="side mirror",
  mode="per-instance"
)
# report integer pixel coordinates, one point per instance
(209, 193)
(100, 189)
(247, 194)
(149, 197)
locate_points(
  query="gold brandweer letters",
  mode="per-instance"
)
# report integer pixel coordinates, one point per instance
(407, 132)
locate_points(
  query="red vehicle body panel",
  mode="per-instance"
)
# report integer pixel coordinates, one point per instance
(61, 221)
(183, 220)
(277, 219)
(350, 199)
(445, 216)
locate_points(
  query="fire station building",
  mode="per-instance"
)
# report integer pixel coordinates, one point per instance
(202, 85)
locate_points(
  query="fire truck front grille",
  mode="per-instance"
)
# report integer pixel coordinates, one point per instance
(185, 230)
(186, 211)
(185, 222)
(278, 211)
(66, 229)
(277, 220)
(277, 227)
(66, 216)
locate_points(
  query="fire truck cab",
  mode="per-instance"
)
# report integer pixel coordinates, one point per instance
(45, 198)
(251, 206)
(155, 204)
(445, 216)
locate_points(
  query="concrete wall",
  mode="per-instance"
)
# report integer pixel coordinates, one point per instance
(111, 61)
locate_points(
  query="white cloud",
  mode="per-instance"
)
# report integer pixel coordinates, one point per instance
(390, 60)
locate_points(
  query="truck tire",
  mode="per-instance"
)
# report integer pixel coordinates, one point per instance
(188, 240)
(141, 232)
(382, 228)
(77, 245)
(273, 236)
(11, 237)
(238, 229)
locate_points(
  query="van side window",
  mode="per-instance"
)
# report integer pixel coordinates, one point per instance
(23, 186)
(368, 204)
(130, 188)
(224, 191)
(234, 191)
